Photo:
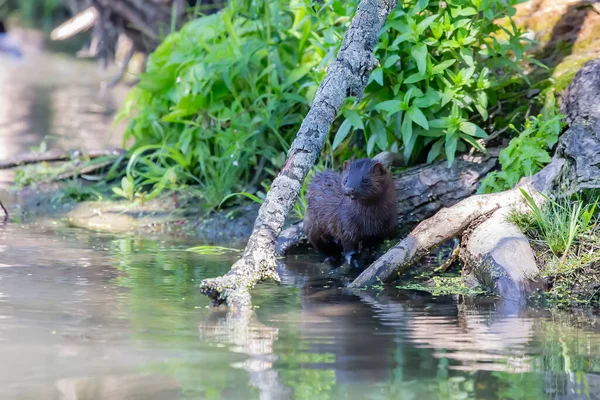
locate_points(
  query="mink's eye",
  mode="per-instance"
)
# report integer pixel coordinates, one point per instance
(345, 180)
(365, 180)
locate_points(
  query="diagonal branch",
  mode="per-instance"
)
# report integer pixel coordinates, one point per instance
(346, 76)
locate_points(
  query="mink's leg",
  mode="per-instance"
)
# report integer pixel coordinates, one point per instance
(351, 254)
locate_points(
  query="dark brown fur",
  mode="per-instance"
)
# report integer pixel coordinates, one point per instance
(350, 211)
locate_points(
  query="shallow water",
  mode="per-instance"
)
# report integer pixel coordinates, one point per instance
(95, 316)
(56, 101)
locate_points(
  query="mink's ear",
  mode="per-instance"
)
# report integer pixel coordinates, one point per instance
(378, 168)
(346, 164)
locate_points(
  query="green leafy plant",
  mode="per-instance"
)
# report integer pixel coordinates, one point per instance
(222, 98)
(127, 189)
(442, 64)
(527, 153)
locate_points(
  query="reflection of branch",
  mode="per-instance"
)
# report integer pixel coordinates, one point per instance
(472, 341)
(247, 335)
(5, 211)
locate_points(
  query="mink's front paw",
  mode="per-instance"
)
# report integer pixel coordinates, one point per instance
(352, 259)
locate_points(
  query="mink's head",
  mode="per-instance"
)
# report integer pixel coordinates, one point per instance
(364, 179)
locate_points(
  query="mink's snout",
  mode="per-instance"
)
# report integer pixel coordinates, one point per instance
(350, 192)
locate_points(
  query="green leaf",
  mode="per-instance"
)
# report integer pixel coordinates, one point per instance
(467, 56)
(419, 53)
(391, 60)
(296, 74)
(409, 146)
(430, 98)
(418, 117)
(434, 152)
(439, 123)
(390, 106)
(441, 67)
(377, 76)
(402, 38)
(380, 134)
(447, 96)
(245, 194)
(420, 6)
(467, 12)
(414, 78)
(354, 118)
(472, 142)
(472, 129)
(481, 104)
(371, 144)
(425, 23)
(407, 130)
(451, 143)
(341, 134)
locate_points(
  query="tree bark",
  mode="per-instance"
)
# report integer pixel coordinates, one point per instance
(346, 76)
(573, 168)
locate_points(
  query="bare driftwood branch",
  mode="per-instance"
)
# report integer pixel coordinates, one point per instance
(446, 224)
(346, 76)
(56, 155)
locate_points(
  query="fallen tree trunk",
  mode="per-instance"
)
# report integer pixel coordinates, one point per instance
(574, 168)
(346, 76)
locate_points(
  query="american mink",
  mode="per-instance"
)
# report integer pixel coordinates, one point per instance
(351, 211)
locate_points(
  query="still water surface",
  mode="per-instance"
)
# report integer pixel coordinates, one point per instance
(95, 316)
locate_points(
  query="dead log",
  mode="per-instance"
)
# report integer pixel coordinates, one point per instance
(57, 155)
(346, 76)
(574, 168)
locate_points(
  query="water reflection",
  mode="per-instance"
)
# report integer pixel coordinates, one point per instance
(56, 99)
(93, 316)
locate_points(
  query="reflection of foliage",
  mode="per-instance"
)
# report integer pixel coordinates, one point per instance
(445, 285)
(164, 308)
(560, 365)
(307, 382)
